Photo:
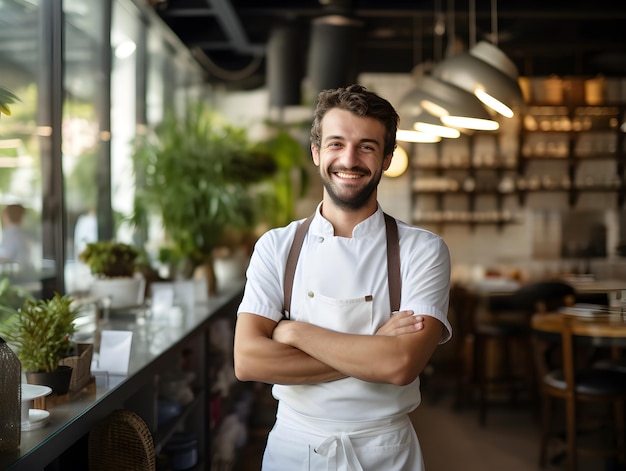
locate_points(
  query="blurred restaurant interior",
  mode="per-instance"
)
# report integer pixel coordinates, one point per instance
(531, 206)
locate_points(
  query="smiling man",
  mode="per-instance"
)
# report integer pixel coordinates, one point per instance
(343, 320)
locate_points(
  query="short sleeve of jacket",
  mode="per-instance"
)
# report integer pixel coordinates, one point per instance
(263, 294)
(425, 273)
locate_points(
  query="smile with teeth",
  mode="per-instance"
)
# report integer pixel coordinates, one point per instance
(348, 175)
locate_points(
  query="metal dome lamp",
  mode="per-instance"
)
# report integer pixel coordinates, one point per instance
(454, 106)
(426, 122)
(486, 72)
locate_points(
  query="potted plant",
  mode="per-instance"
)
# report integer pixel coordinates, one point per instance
(195, 174)
(291, 179)
(41, 332)
(110, 259)
(114, 265)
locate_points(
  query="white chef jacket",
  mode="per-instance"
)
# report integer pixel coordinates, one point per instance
(337, 272)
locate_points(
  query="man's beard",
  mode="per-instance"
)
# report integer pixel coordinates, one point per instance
(356, 200)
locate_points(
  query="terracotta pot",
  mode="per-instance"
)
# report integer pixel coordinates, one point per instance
(58, 380)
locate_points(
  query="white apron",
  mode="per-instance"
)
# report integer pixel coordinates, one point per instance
(300, 441)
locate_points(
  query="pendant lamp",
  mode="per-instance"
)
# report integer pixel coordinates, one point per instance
(413, 116)
(426, 122)
(486, 72)
(454, 106)
(399, 163)
(408, 135)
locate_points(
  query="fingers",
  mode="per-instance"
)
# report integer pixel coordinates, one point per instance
(419, 322)
(402, 322)
(410, 322)
(402, 314)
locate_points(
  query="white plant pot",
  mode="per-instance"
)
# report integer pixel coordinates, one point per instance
(123, 292)
(230, 269)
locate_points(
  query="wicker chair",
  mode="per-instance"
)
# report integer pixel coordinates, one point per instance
(121, 442)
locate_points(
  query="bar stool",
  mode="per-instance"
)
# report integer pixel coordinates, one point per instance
(463, 305)
(507, 327)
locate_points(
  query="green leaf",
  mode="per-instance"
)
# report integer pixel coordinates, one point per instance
(4, 108)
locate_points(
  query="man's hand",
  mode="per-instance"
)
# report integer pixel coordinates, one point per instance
(400, 323)
(281, 332)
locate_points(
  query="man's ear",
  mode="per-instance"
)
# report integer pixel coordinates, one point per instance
(315, 153)
(387, 161)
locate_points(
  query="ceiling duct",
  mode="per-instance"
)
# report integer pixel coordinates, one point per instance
(332, 52)
(285, 65)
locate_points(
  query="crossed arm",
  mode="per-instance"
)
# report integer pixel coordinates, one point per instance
(293, 352)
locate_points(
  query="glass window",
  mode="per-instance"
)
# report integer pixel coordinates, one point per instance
(20, 169)
(171, 77)
(65, 151)
(85, 135)
(124, 41)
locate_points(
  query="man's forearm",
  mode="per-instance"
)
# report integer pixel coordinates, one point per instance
(283, 364)
(259, 358)
(376, 358)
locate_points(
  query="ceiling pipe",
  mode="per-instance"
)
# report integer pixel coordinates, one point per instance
(230, 22)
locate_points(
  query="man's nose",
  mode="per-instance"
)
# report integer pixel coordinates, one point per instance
(350, 156)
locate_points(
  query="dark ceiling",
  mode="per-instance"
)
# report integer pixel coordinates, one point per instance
(230, 37)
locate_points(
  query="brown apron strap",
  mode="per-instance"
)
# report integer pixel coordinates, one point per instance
(393, 263)
(292, 261)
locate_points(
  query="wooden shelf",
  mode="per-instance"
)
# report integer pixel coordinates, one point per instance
(572, 122)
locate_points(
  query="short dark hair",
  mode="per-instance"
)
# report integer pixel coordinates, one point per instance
(362, 102)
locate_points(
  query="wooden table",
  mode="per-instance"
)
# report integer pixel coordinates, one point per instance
(606, 329)
(496, 288)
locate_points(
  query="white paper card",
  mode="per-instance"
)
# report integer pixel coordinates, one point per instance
(162, 299)
(114, 354)
(184, 294)
(166, 295)
(201, 290)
